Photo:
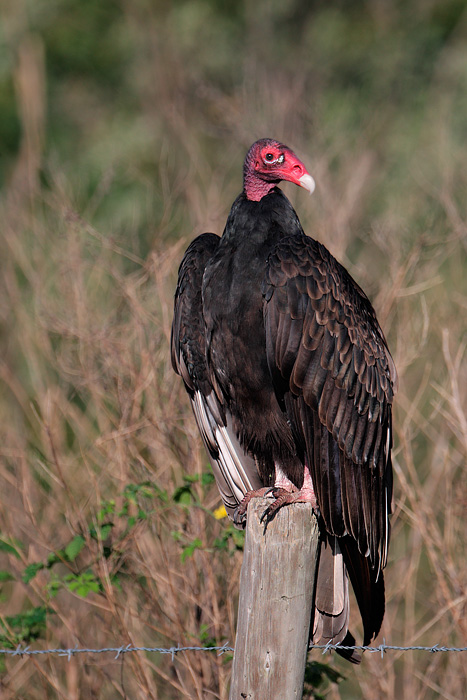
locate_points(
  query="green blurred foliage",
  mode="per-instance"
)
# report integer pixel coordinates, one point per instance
(111, 70)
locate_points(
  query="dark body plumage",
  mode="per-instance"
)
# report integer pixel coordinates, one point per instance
(287, 367)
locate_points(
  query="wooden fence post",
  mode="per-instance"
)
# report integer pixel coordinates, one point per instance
(274, 610)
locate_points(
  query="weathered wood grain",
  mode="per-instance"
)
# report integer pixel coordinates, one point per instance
(276, 594)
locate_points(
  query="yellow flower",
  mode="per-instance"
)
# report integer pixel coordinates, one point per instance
(220, 513)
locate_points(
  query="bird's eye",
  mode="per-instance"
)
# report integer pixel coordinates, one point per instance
(271, 158)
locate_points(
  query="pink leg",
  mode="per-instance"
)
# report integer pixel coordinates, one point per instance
(284, 492)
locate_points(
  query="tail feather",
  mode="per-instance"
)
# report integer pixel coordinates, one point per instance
(331, 614)
(368, 586)
(349, 654)
(340, 560)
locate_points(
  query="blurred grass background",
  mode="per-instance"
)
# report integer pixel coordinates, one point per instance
(122, 134)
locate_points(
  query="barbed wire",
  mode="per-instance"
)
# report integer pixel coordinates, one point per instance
(383, 648)
(173, 651)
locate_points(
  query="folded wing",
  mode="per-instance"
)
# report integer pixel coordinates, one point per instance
(335, 378)
(234, 470)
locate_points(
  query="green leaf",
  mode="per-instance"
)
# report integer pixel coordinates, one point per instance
(183, 495)
(74, 547)
(54, 586)
(31, 570)
(206, 639)
(190, 548)
(130, 492)
(238, 537)
(207, 478)
(230, 534)
(29, 618)
(82, 584)
(107, 508)
(146, 489)
(124, 511)
(26, 625)
(115, 582)
(102, 532)
(162, 494)
(55, 558)
(106, 530)
(6, 576)
(10, 546)
(317, 675)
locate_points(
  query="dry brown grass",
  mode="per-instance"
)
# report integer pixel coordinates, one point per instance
(102, 409)
(90, 406)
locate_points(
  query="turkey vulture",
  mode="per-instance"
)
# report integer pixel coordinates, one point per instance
(291, 383)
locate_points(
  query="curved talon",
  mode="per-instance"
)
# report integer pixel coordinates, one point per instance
(282, 496)
(239, 516)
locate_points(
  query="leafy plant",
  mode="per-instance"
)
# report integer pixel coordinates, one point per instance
(23, 627)
(317, 677)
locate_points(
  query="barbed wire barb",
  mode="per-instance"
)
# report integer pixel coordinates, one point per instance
(122, 650)
(224, 648)
(383, 647)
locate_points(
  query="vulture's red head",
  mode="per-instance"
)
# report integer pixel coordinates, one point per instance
(267, 163)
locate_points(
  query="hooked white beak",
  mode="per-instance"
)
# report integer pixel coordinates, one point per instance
(308, 183)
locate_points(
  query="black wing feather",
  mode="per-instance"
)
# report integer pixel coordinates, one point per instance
(235, 471)
(188, 344)
(324, 342)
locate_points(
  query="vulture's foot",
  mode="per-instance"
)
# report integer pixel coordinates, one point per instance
(239, 516)
(283, 491)
(284, 496)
